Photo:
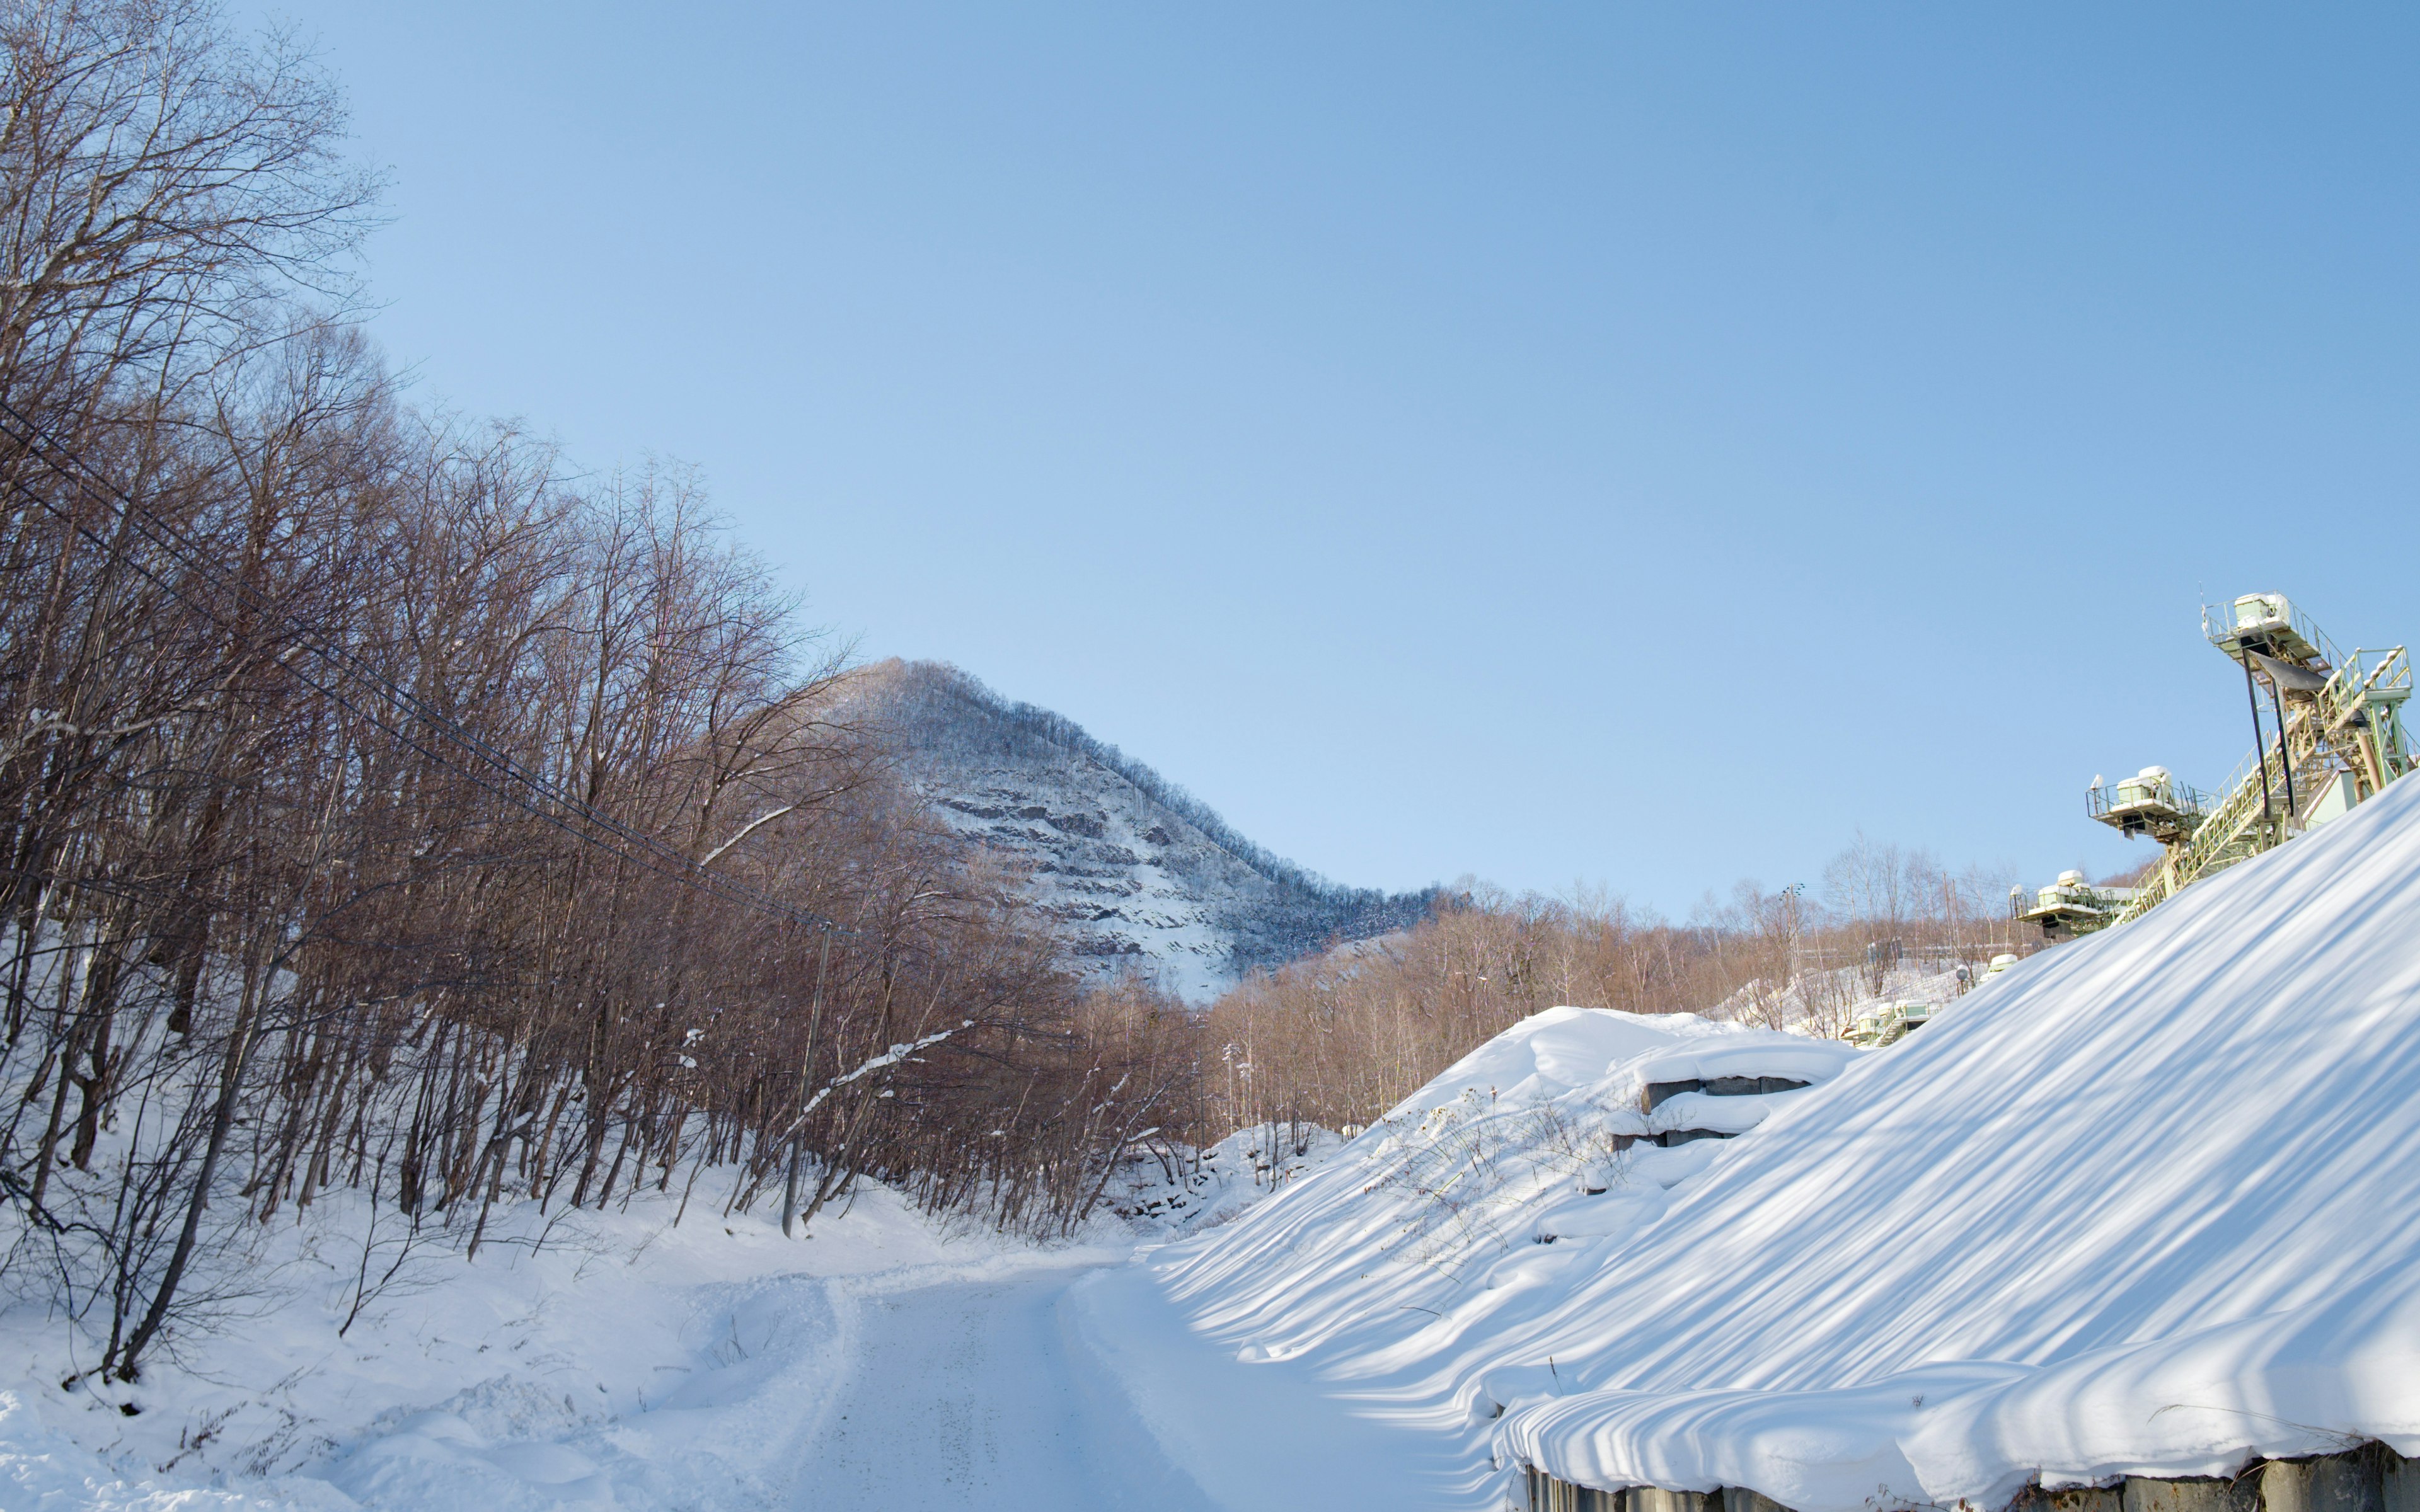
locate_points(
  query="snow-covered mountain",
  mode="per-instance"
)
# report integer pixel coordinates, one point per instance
(1141, 874)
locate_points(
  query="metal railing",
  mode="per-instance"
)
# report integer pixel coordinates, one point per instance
(2256, 795)
(2361, 707)
(2101, 800)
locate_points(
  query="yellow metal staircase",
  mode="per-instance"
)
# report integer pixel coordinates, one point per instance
(2342, 741)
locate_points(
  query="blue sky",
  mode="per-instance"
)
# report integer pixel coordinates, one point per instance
(1640, 445)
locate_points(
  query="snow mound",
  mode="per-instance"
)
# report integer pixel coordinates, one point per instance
(1482, 1192)
(43, 1470)
(586, 1358)
(1612, 1055)
(2142, 1205)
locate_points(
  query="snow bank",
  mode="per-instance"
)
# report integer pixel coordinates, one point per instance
(1475, 1201)
(1180, 1190)
(2142, 1205)
(617, 1358)
(43, 1470)
(584, 1358)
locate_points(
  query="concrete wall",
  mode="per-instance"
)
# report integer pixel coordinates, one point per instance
(2371, 1478)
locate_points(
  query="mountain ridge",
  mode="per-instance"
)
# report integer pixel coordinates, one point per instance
(1139, 873)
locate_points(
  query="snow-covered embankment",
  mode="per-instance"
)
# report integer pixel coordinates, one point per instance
(1383, 1277)
(2142, 1206)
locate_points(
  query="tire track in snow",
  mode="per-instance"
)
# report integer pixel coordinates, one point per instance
(963, 1394)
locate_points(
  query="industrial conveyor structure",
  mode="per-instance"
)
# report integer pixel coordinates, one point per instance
(2070, 906)
(2333, 739)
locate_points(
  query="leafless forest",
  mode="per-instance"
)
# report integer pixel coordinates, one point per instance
(1338, 1039)
(389, 808)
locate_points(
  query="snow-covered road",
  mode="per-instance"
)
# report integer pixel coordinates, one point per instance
(891, 1361)
(1081, 1387)
(969, 1394)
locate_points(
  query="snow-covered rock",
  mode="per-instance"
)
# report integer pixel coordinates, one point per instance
(1139, 874)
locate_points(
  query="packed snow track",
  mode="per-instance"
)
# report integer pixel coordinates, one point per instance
(967, 1394)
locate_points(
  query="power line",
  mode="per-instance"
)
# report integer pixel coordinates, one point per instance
(490, 769)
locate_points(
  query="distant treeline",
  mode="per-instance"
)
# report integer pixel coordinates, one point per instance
(1341, 1038)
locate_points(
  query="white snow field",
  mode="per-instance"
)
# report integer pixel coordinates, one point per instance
(2149, 1204)
(1466, 1215)
(616, 1360)
(624, 1361)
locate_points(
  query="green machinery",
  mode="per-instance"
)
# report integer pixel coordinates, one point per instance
(2070, 906)
(2332, 737)
(1889, 1023)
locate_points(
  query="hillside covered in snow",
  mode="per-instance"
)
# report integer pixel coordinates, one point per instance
(2141, 1206)
(1139, 873)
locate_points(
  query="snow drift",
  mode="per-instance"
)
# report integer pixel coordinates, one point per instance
(1473, 1207)
(2143, 1205)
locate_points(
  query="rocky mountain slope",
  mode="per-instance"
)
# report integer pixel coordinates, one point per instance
(1141, 874)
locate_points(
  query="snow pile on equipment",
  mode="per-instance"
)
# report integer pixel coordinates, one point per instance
(2144, 1205)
